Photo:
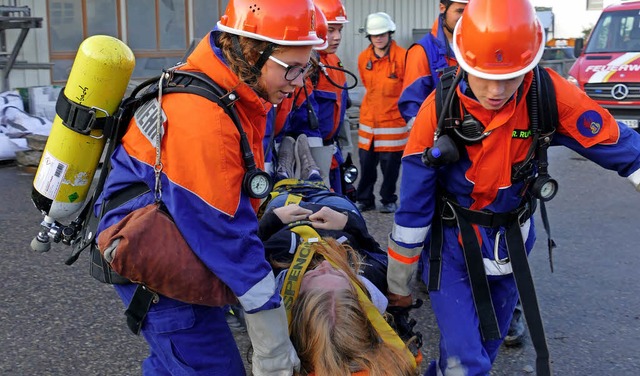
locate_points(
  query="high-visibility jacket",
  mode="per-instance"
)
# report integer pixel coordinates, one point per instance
(430, 54)
(380, 120)
(202, 177)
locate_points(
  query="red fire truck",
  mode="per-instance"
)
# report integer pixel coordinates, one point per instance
(608, 69)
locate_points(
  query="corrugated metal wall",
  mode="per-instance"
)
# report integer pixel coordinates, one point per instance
(407, 14)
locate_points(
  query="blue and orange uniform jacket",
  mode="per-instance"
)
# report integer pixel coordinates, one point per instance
(296, 118)
(202, 178)
(425, 61)
(481, 179)
(331, 100)
(332, 106)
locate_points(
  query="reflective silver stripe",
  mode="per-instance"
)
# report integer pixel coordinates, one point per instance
(394, 130)
(410, 123)
(365, 128)
(404, 251)
(382, 143)
(635, 180)
(409, 235)
(259, 294)
(363, 140)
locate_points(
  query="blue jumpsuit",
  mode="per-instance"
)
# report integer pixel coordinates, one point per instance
(481, 180)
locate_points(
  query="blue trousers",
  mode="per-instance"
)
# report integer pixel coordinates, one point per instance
(186, 339)
(462, 349)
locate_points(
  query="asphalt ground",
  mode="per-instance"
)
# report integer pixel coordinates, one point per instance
(56, 320)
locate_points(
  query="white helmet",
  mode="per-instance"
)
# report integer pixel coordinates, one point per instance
(379, 23)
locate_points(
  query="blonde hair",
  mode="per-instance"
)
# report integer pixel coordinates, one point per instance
(332, 334)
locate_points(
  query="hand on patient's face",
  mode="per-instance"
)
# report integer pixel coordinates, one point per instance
(292, 213)
(328, 219)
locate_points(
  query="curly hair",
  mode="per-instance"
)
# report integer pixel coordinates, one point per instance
(243, 65)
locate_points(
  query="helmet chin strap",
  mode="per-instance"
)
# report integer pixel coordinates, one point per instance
(386, 46)
(257, 67)
(443, 20)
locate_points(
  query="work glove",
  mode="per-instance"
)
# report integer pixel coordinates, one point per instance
(403, 324)
(400, 272)
(273, 353)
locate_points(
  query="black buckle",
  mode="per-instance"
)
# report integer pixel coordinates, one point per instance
(77, 117)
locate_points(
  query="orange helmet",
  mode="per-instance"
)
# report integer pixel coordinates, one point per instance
(333, 10)
(497, 39)
(283, 22)
(322, 29)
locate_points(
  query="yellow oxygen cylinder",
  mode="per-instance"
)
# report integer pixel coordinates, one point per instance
(97, 83)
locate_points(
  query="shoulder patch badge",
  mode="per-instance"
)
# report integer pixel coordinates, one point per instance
(147, 120)
(589, 123)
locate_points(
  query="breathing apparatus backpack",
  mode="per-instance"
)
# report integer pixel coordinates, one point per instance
(85, 111)
(457, 129)
(81, 232)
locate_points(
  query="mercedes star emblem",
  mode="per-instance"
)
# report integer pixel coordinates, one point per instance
(619, 92)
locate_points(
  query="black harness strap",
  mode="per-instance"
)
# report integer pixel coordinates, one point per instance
(435, 249)
(511, 221)
(478, 280)
(81, 119)
(99, 268)
(528, 298)
(138, 308)
(473, 256)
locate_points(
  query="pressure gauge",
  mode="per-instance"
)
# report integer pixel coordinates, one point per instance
(258, 184)
(545, 188)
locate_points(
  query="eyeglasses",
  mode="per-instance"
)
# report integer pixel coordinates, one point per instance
(292, 71)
